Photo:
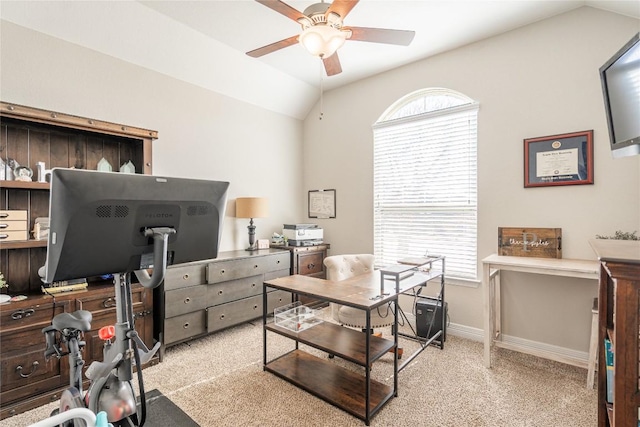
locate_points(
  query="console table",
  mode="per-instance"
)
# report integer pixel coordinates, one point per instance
(355, 393)
(493, 264)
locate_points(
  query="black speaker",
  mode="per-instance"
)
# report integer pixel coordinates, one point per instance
(426, 309)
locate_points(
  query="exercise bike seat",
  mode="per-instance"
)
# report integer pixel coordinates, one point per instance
(79, 320)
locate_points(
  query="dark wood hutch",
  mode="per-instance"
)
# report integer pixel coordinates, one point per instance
(31, 135)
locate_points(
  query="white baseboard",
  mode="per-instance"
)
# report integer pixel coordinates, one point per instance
(467, 332)
(536, 347)
(541, 349)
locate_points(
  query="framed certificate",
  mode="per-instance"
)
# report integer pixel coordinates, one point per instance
(565, 159)
(322, 203)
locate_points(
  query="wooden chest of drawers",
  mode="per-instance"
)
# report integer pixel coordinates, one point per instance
(28, 380)
(308, 261)
(207, 296)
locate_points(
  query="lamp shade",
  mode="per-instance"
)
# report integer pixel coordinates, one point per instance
(322, 40)
(252, 207)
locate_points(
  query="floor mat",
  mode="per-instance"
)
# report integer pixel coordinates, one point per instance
(162, 412)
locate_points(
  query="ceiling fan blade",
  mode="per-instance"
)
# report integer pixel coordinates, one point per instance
(381, 35)
(332, 65)
(342, 7)
(283, 8)
(256, 53)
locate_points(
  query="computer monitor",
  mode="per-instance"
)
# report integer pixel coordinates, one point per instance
(620, 78)
(98, 221)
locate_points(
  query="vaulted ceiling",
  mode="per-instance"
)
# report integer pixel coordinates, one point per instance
(204, 42)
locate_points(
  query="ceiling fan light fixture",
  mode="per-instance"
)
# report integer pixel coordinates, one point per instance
(322, 40)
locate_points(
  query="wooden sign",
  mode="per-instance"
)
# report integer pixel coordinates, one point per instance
(530, 242)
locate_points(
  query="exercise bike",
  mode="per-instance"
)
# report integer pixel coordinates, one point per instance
(110, 388)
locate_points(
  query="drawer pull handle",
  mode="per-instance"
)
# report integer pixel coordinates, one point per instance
(186, 325)
(310, 266)
(34, 367)
(255, 266)
(185, 277)
(109, 302)
(253, 285)
(187, 300)
(222, 317)
(220, 292)
(20, 314)
(222, 271)
(4, 215)
(278, 262)
(255, 307)
(4, 226)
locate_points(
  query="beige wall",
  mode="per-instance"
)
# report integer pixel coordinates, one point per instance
(202, 134)
(534, 81)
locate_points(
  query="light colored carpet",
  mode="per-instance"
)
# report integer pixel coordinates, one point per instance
(219, 381)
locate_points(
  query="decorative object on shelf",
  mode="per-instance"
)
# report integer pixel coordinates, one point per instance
(44, 174)
(104, 165)
(530, 242)
(41, 229)
(621, 235)
(252, 207)
(14, 225)
(263, 243)
(296, 317)
(23, 173)
(279, 239)
(9, 168)
(128, 167)
(565, 159)
(3, 284)
(322, 203)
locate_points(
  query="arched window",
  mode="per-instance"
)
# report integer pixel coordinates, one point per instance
(425, 185)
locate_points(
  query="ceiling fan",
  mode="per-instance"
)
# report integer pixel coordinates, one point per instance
(323, 34)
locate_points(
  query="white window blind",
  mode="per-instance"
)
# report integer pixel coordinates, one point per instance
(425, 187)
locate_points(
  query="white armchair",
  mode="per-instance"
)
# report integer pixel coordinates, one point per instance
(341, 267)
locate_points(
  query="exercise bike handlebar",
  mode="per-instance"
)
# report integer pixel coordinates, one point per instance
(160, 242)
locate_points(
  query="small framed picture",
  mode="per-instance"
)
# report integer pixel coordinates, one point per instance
(322, 203)
(565, 159)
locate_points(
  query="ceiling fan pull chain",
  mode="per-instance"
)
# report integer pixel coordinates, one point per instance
(321, 90)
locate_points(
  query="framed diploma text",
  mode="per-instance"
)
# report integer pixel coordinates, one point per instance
(565, 159)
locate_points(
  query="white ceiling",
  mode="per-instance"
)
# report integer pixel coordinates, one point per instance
(204, 42)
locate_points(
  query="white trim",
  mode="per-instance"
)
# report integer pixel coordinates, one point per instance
(472, 106)
(467, 332)
(540, 349)
(467, 283)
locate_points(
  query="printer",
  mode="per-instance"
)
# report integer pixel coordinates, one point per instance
(302, 234)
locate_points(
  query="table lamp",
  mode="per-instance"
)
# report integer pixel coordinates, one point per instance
(252, 207)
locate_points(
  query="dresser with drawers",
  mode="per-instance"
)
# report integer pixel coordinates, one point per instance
(202, 297)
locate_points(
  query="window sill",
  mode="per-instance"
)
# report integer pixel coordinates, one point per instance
(467, 283)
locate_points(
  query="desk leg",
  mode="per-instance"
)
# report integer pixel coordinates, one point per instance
(497, 310)
(488, 314)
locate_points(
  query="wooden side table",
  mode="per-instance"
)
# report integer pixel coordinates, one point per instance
(308, 261)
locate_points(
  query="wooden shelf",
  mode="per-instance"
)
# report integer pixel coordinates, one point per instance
(343, 342)
(23, 244)
(27, 185)
(618, 309)
(334, 384)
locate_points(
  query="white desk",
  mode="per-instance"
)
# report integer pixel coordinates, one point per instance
(493, 264)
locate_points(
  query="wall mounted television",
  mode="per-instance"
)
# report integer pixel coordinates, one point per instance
(620, 77)
(98, 221)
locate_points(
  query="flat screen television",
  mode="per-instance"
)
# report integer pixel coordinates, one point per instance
(98, 221)
(620, 77)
